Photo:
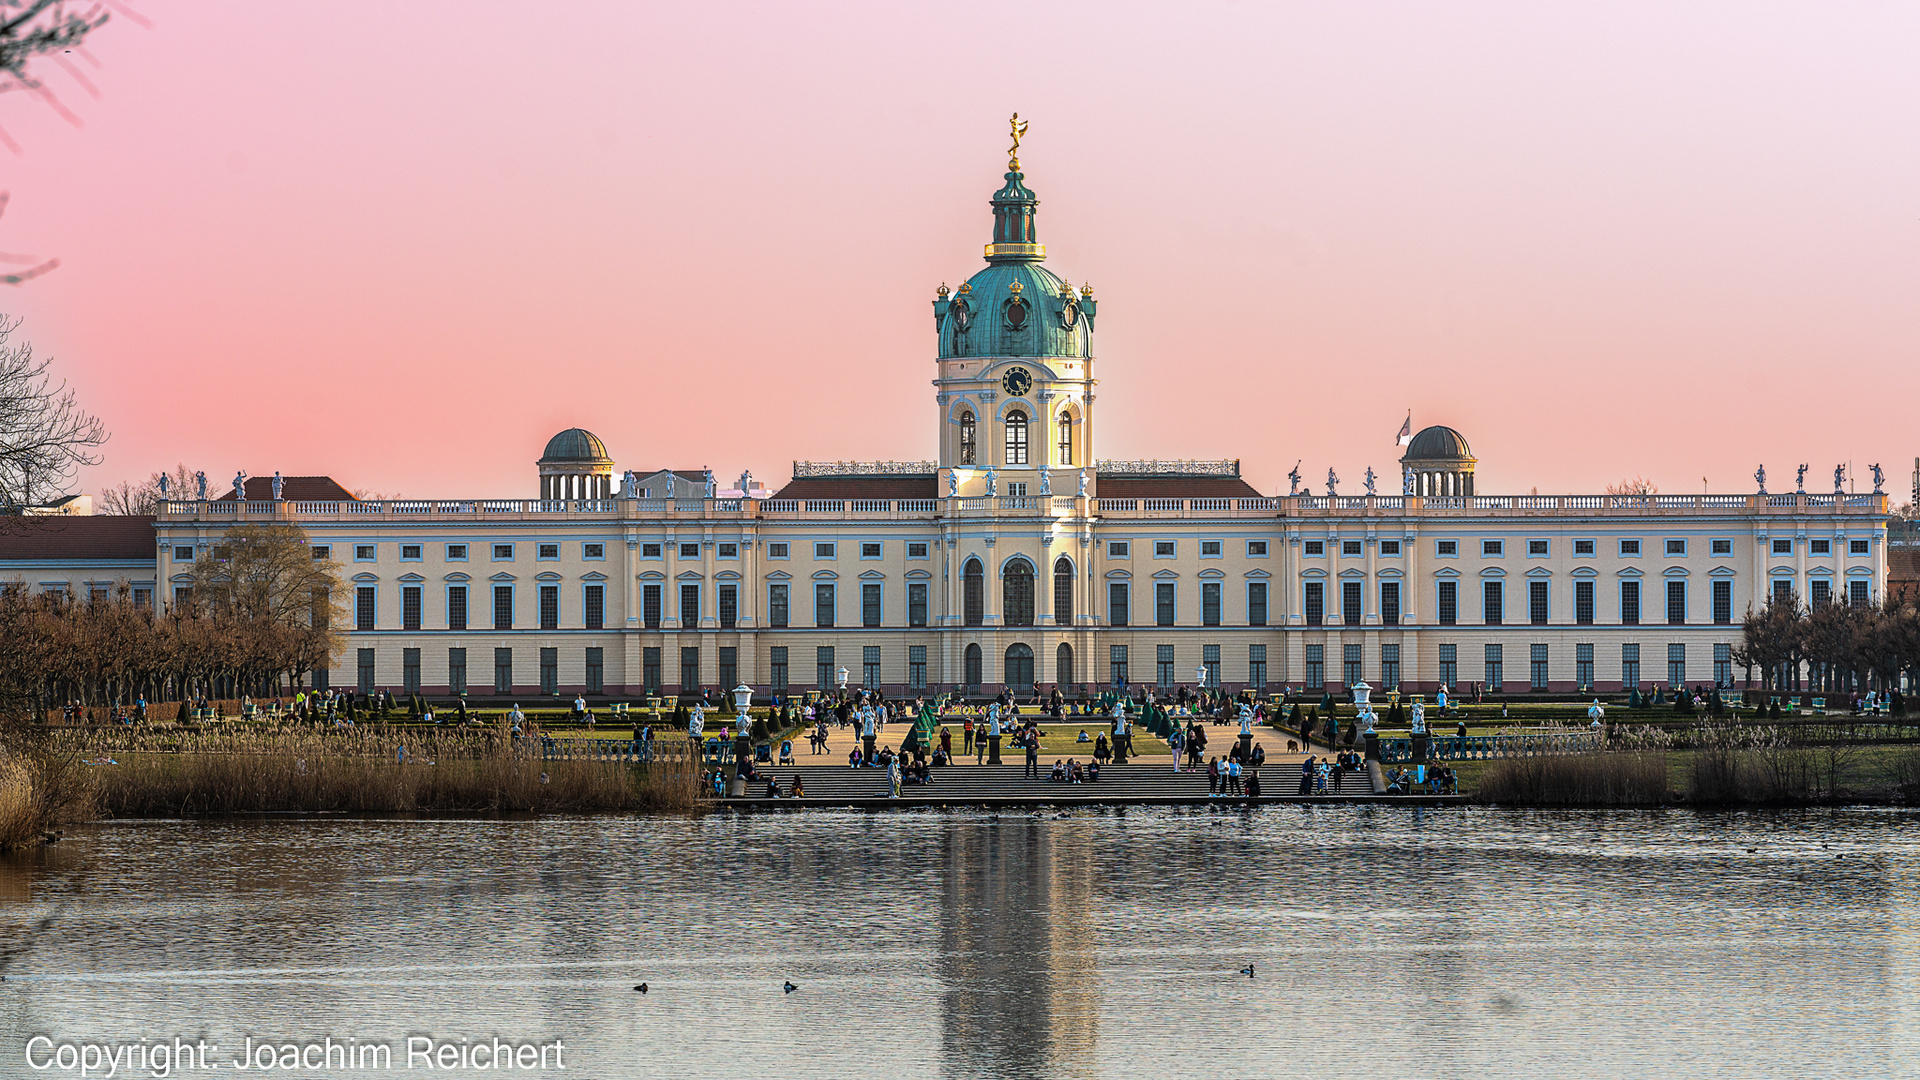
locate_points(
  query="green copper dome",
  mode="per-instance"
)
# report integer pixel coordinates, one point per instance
(1014, 307)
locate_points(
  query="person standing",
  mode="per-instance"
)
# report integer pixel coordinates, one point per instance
(966, 736)
(1233, 776)
(1213, 778)
(1032, 740)
(1306, 776)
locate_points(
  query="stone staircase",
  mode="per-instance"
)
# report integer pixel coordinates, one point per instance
(1005, 784)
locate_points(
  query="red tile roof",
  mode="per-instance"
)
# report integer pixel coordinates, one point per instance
(1175, 487)
(861, 487)
(98, 536)
(294, 489)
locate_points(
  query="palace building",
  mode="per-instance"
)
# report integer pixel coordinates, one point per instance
(1018, 558)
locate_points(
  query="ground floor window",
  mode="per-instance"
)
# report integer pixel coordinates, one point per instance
(823, 666)
(650, 670)
(365, 660)
(1257, 666)
(503, 671)
(1449, 665)
(1537, 667)
(1494, 664)
(779, 659)
(1722, 664)
(870, 662)
(1163, 660)
(409, 671)
(729, 669)
(549, 671)
(1210, 662)
(1352, 663)
(1117, 665)
(596, 670)
(1390, 667)
(1676, 665)
(916, 667)
(1583, 666)
(1316, 667)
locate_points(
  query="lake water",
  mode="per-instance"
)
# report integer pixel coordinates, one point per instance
(1385, 942)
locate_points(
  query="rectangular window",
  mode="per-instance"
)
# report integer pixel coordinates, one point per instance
(1210, 663)
(1315, 603)
(1389, 548)
(870, 607)
(593, 551)
(1256, 549)
(729, 615)
(1630, 603)
(1494, 675)
(1821, 593)
(1783, 547)
(457, 671)
(650, 605)
(1257, 666)
(409, 671)
(650, 670)
(1720, 547)
(503, 671)
(1676, 547)
(1116, 603)
(1537, 547)
(361, 553)
(1117, 549)
(1857, 592)
(1583, 603)
(823, 666)
(690, 550)
(1163, 603)
(1583, 666)
(503, 553)
(1446, 549)
(1349, 549)
(690, 669)
(823, 551)
(1163, 549)
(1256, 603)
(1722, 602)
(916, 603)
(1493, 601)
(1820, 547)
(550, 671)
(870, 665)
(916, 667)
(456, 553)
(1676, 603)
(456, 607)
(1722, 664)
(1582, 547)
(549, 607)
(779, 661)
(1389, 603)
(409, 552)
(410, 607)
(823, 603)
(1210, 603)
(777, 606)
(1449, 610)
(1316, 548)
(650, 551)
(689, 605)
(1390, 666)
(596, 670)
(777, 551)
(917, 549)
(1316, 660)
(143, 598)
(1492, 548)
(547, 553)
(1537, 667)
(1163, 661)
(1116, 665)
(1352, 658)
(596, 607)
(729, 669)
(365, 670)
(1676, 665)
(363, 608)
(1537, 603)
(1629, 665)
(321, 552)
(503, 607)
(1449, 665)
(1350, 603)
(1860, 547)
(1629, 548)
(1209, 549)
(869, 551)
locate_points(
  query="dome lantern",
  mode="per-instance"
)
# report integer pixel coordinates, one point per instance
(1438, 463)
(575, 465)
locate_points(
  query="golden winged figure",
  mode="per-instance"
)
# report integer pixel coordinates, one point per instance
(1019, 127)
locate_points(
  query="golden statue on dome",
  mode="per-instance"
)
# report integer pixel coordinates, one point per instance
(1019, 128)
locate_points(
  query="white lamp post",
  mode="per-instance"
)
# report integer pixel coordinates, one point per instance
(1200, 676)
(842, 673)
(742, 697)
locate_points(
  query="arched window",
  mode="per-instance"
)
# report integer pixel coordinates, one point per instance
(1016, 438)
(1019, 670)
(1063, 591)
(974, 602)
(1063, 665)
(968, 441)
(1066, 439)
(970, 670)
(1016, 594)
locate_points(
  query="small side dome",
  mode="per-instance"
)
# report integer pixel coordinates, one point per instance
(1437, 442)
(575, 444)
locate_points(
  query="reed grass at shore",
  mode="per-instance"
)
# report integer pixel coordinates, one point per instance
(1636, 778)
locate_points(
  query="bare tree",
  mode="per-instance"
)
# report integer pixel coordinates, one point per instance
(29, 31)
(1637, 485)
(45, 436)
(144, 498)
(266, 575)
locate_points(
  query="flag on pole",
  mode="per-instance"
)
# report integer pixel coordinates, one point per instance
(1406, 430)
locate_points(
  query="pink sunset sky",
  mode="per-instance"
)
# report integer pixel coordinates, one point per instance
(403, 244)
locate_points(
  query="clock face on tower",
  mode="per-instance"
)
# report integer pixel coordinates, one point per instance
(1017, 381)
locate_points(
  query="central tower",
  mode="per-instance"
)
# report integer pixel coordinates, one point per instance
(1015, 384)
